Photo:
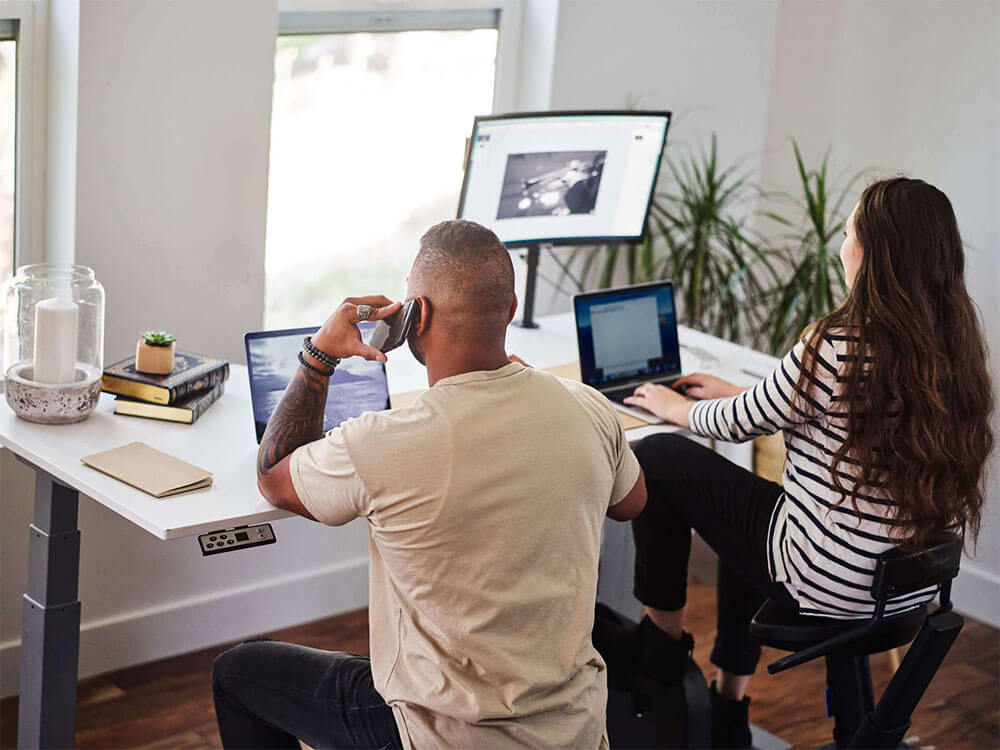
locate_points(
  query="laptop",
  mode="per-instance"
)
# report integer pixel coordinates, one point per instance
(357, 385)
(627, 337)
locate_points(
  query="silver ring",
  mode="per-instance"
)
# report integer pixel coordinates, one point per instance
(364, 312)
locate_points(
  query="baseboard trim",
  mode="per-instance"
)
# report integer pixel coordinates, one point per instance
(184, 625)
(976, 593)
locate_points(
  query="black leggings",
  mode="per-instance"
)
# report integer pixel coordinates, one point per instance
(692, 487)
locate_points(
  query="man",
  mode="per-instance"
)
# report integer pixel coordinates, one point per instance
(484, 501)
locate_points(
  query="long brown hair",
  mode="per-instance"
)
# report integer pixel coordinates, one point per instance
(916, 387)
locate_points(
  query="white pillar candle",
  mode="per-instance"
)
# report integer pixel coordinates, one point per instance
(56, 323)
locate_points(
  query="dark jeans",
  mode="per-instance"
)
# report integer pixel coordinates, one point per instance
(692, 487)
(270, 694)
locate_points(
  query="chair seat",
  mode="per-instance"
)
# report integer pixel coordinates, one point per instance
(778, 626)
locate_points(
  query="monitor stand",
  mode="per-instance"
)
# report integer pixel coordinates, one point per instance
(528, 301)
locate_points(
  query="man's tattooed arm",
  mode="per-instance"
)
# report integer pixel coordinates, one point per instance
(297, 419)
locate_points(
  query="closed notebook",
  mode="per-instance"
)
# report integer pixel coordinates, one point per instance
(150, 470)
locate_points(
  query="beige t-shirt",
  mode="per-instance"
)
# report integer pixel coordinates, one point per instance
(485, 501)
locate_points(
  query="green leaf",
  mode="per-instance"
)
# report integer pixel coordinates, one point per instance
(157, 338)
(607, 271)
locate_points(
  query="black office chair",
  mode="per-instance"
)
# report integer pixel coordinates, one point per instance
(846, 644)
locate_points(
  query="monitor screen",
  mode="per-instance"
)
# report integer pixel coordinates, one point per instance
(563, 177)
(624, 334)
(357, 385)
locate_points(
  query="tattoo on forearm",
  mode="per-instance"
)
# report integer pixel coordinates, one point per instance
(297, 419)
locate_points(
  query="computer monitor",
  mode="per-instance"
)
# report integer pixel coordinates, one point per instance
(563, 177)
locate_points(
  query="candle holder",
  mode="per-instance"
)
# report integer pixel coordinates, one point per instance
(53, 343)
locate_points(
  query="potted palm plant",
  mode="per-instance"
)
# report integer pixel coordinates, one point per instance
(721, 268)
(809, 241)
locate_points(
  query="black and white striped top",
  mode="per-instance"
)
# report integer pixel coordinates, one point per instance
(818, 545)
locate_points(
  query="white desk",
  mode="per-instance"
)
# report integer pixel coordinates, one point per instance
(223, 442)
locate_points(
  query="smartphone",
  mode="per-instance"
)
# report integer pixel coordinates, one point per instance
(391, 332)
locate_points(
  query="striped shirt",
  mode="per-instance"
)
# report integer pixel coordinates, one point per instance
(822, 549)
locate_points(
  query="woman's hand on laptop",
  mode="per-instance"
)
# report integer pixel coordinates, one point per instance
(702, 386)
(340, 336)
(664, 402)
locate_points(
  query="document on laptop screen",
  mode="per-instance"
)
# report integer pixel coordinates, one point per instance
(626, 335)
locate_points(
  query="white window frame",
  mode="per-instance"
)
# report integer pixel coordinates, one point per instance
(330, 16)
(29, 133)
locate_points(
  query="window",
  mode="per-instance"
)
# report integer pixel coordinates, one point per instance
(8, 138)
(367, 141)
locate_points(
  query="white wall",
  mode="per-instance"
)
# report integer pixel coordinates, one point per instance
(540, 22)
(171, 187)
(63, 31)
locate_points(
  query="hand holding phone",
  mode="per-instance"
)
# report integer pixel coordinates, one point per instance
(340, 336)
(392, 331)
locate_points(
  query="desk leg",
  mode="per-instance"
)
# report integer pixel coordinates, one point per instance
(50, 628)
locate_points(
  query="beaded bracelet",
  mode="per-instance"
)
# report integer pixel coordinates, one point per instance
(304, 363)
(317, 354)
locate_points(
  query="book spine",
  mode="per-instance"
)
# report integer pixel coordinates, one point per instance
(203, 403)
(204, 383)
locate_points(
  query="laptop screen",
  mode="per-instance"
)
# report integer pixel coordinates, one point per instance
(627, 334)
(357, 385)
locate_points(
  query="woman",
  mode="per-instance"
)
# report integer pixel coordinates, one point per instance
(885, 408)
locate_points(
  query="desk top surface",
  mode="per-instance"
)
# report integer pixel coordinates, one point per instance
(223, 441)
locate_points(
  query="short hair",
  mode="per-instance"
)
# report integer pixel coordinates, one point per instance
(466, 274)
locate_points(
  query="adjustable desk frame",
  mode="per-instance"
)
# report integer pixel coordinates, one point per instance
(50, 625)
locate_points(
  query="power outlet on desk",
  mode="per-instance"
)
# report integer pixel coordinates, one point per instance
(239, 537)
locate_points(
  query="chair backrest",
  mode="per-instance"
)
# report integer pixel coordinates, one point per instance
(899, 572)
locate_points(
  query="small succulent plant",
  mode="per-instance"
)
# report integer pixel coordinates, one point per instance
(157, 338)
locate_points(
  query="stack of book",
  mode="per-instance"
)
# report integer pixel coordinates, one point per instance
(195, 383)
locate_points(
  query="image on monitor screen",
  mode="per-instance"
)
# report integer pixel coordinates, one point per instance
(551, 183)
(563, 177)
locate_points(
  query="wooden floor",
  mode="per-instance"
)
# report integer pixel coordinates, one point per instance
(168, 704)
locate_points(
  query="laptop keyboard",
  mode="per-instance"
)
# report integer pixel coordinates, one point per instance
(620, 394)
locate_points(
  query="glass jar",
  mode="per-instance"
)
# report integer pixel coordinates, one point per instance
(53, 342)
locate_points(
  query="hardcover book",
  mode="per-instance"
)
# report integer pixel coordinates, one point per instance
(186, 411)
(192, 373)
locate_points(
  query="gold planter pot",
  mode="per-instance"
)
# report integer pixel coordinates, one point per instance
(154, 360)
